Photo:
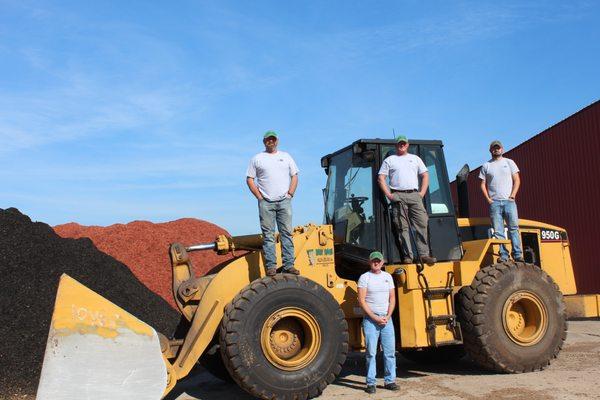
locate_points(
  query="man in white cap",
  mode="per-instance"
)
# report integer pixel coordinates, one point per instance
(272, 177)
(500, 183)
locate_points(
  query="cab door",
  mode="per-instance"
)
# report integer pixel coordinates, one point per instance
(350, 208)
(444, 240)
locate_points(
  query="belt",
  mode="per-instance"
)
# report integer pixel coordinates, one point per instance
(405, 191)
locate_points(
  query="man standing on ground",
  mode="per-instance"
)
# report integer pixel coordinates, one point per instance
(377, 298)
(272, 177)
(500, 183)
(404, 170)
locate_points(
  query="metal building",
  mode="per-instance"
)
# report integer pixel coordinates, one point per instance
(560, 185)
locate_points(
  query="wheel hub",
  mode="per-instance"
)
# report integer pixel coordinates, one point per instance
(525, 318)
(290, 338)
(285, 338)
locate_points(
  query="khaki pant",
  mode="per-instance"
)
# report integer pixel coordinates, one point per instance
(410, 203)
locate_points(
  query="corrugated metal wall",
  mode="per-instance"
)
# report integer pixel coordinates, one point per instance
(560, 185)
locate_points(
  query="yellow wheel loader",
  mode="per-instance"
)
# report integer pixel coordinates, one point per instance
(288, 336)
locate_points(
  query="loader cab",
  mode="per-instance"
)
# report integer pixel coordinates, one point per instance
(359, 212)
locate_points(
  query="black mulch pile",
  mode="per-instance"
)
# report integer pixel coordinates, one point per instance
(32, 259)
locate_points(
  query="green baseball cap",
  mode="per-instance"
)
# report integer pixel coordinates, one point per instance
(376, 255)
(495, 143)
(270, 134)
(401, 138)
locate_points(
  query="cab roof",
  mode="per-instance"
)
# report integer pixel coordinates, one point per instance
(383, 141)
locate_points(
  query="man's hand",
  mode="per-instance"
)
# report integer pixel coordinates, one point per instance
(422, 194)
(253, 189)
(490, 201)
(390, 196)
(381, 320)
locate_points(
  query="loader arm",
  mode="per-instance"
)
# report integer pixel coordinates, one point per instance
(207, 315)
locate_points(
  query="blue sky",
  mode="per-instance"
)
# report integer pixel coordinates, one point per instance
(118, 111)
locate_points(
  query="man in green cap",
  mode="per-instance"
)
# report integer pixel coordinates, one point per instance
(377, 298)
(404, 170)
(272, 177)
(500, 183)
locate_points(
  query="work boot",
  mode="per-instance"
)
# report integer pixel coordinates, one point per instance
(291, 270)
(428, 260)
(407, 260)
(520, 259)
(391, 386)
(370, 389)
(271, 272)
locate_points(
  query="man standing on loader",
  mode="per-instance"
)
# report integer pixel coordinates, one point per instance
(377, 298)
(272, 177)
(500, 183)
(404, 170)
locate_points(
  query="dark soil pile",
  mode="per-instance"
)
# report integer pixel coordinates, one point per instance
(32, 259)
(144, 247)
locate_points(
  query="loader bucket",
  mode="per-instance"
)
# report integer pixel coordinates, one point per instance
(96, 350)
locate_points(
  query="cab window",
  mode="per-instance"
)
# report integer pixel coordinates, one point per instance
(349, 200)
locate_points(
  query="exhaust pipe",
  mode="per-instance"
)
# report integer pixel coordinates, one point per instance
(462, 191)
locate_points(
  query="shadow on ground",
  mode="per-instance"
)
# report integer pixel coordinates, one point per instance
(200, 384)
(354, 370)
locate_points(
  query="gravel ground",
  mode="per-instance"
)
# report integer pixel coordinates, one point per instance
(574, 375)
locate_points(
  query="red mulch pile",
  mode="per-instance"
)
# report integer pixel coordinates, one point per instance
(144, 247)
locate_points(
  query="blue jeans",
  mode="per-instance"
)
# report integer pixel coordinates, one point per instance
(278, 213)
(373, 332)
(506, 210)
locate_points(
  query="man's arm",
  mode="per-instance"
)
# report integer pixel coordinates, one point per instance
(384, 187)
(484, 190)
(293, 185)
(516, 185)
(424, 184)
(392, 305)
(362, 296)
(253, 188)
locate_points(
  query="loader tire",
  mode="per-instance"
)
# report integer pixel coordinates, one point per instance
(431, 355)
(513, 318)
(283, 337)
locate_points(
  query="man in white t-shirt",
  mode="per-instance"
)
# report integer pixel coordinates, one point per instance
(272, 177)
(377, 298)
(404, 170)
(500, 182)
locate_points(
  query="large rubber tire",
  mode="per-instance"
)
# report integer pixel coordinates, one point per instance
(431, 355)
(241, 341)
(482, 311)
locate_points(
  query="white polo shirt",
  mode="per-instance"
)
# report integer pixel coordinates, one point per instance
(403, 171)
(378, 290)
(272, 173)
(497, 174)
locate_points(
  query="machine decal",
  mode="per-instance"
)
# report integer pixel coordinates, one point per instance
(320, 256)
(550, 235)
